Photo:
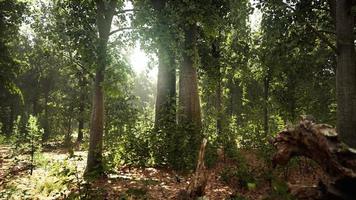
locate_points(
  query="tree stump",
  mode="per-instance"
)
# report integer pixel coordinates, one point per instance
(320, 143)
(196, 187)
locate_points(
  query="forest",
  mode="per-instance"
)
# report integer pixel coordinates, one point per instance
(178, 99)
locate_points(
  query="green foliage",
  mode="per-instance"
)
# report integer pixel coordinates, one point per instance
(236, 197)
(136, 193)
(51, 178)
(240, 176)
(251, 82)
(33, 134)
(2, 139)
(280, 191)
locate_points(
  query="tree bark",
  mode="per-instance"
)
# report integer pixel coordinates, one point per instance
(165, 113)
(68, 136)
(189, 103)
(81, 109)
(166, 90)
(197, 185)
(218, 90)
(105, 13)
(265, 107)
(346, 73)
(235, 98)
(46, 133)
(320, 143)
(219, 116)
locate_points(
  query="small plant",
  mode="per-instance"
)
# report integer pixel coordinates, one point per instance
(34, 134)
(2, 138)
(236, 197)
(240, 176)
(280, 191)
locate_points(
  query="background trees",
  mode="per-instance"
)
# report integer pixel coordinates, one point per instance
(11, 16)
(218, 77)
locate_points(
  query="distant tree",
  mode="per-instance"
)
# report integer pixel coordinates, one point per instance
(11, 16)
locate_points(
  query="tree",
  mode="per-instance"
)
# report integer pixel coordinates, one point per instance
(105, 11)
(75, 26)
(159, 39)
(166, 81)
(189, 103)
(11, 16)
(346, 72)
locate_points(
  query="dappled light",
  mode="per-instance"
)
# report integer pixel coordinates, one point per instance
(177, 99)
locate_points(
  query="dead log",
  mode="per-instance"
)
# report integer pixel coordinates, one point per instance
(196, 187)
(320, 143)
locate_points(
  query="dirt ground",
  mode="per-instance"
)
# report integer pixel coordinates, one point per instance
(153, 183)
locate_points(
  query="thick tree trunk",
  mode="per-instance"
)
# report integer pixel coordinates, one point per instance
(166, 91)
(346, 73)
(235, 99)
(189, 103)
(218, 90)
(97, 125)
(165, 113)
(105, 13)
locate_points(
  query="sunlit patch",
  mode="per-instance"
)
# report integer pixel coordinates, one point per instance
(140, 62)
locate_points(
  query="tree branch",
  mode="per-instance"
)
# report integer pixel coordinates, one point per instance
(327, 32)
(125, 11)
(76, 62)
(120, 29)
(317, 33)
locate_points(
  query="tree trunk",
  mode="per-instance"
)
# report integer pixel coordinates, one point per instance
(235, 99)
(96, 129)
(81, 109)
(218, 90)
(346, 73)
(165, 114)
(265, 107)
(189, 103)
(166, 91)
(46, 123)
(68, 136)
(34, 106)
(219, 116)
(197, 185)
(105, 13)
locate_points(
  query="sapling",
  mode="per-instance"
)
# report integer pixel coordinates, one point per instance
(34, 134)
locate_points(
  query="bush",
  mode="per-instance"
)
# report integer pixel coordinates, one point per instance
(279, 191)
(241, 176)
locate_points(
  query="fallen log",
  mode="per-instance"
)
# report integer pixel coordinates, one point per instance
(320, 143)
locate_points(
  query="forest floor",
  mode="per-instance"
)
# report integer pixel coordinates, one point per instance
(58, 176)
